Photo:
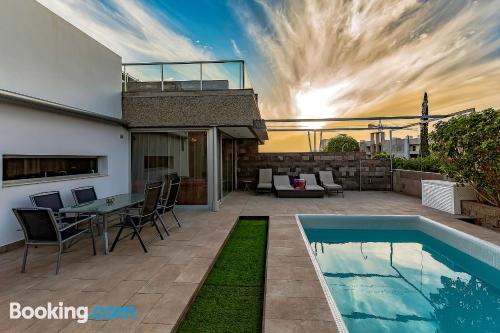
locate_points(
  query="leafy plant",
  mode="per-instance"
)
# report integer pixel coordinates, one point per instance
(430, 163)
(341, 143)
(468, 147)
(381, 156)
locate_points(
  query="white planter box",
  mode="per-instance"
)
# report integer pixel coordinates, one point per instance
(445, 195)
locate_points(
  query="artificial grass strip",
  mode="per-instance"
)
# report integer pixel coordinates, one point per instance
(231, 298)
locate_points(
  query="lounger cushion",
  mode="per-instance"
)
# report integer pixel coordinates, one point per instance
(284, 188)
(332, 186)
(314, 188)
(265, 176)
(265, 186)
(309, 178)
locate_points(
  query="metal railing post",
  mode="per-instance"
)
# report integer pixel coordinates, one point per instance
(201, 76)
(242, 73)
(161, 67)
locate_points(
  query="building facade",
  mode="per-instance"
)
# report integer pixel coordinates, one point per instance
(407, 147)
(71, 115)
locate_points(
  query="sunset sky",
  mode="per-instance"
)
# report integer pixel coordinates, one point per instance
(318, 58)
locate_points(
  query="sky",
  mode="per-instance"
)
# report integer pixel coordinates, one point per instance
(318, 58)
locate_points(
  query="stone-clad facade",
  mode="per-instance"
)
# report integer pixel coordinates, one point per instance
(191, 109)
(347, 167)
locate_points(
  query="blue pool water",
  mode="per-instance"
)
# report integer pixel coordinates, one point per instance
(405, 281)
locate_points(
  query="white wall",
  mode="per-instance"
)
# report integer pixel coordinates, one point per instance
(33, 132)
(43, 56)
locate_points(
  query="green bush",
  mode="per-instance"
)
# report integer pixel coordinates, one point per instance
(428, 163)
(341, 143)
(381, 156)
(468, 148)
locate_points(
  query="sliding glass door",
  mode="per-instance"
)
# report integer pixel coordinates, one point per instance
(226, 166)
(154, 155)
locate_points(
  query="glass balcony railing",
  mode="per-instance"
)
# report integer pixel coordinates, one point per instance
(185, 76)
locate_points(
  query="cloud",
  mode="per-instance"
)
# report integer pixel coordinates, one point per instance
(236, 49)
(335, 58)
(130, 30)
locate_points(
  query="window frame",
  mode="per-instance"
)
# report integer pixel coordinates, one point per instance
(101, 169)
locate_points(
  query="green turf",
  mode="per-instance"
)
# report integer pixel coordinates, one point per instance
(231, 298)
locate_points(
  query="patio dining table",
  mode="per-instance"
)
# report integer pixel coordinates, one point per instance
(104, 208)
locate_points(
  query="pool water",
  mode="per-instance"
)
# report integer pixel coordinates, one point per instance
(405, 281)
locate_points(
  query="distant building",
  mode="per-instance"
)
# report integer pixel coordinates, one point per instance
(407, 147)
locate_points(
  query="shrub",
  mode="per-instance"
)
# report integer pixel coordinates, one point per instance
(341, 143)
(428, 163)
(468, 147)
(381, 156)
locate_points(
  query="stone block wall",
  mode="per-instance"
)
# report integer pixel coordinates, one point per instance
(348, 168)
(409, 182)
(485, 215)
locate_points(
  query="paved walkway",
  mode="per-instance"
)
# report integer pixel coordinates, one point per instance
(162, 282)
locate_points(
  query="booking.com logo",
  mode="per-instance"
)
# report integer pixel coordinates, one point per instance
(80, 313)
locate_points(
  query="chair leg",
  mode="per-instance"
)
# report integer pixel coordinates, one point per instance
(59, 258)
(163, 224)
(176, 219)
(91, 229)
(139, 238)
(116, 239)
(25, 258)
(158, 229)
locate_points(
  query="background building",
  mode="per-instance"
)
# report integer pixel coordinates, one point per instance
(407, 147)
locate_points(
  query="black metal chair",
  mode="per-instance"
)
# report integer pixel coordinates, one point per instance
(40, 228)
(169, 197)
(147, 214)
(53, 201)
(84, 194)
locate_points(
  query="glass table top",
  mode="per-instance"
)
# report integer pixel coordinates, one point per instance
(106, 205)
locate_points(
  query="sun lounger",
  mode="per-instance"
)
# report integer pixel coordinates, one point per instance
(285, 190)
(311, 184)
(265, 180)
(326, 178)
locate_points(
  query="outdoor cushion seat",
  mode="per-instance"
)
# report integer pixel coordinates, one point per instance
(314, 187)
(282, 183)
(265, 180)
(326, 178)
(284, 188)
(265, 186)
(311, 183)
(332, 186)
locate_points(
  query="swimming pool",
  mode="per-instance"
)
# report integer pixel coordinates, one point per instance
(404, 274)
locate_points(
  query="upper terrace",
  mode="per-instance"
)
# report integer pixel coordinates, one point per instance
(185, 76)
(191, 94)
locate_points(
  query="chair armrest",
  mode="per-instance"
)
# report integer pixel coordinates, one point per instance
(128, 214)
(69, 225)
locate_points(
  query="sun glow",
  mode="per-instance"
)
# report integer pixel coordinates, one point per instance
(319, 102)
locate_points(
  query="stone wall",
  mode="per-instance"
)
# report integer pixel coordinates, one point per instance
(347, 167)
(485, 215)
(409, 182)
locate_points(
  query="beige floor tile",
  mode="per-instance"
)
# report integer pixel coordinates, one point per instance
(172, 305)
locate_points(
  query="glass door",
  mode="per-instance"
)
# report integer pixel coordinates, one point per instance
(154, 155)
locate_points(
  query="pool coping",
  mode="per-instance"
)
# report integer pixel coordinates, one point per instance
(495, 261)
(337, 316)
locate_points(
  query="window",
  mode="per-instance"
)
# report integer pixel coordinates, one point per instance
(155, 155)
(16, 167)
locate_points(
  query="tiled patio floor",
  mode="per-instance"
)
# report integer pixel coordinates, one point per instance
(162, 282)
